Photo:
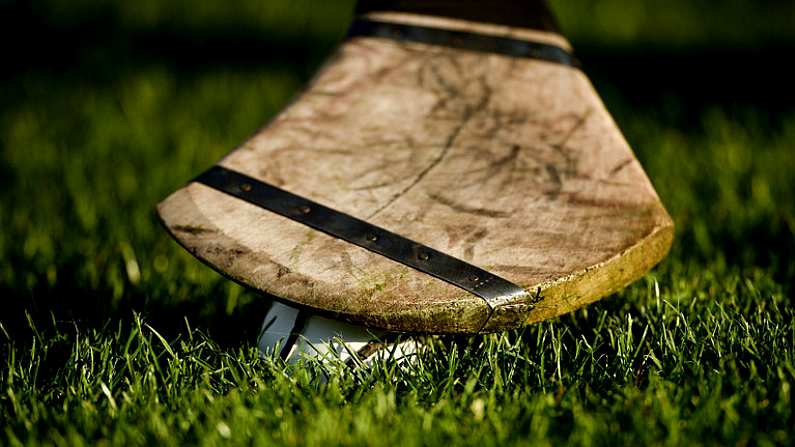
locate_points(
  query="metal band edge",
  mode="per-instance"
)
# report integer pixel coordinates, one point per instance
(493, 289)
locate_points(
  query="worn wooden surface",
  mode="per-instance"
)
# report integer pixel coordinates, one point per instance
(513, 165)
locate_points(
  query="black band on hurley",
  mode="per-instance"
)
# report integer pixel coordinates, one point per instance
(464, 40)
(473, 279)
(298, 327)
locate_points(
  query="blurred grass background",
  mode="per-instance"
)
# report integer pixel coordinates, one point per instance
(106, 107)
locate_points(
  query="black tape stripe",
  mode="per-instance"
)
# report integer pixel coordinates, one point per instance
(298, 326)
(464, 40)
(473, 279)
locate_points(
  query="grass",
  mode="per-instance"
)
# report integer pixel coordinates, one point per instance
(110, 333)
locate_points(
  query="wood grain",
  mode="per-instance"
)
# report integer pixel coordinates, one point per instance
(513, 165)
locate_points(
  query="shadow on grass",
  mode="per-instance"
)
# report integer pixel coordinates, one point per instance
(69, 303)
(99, 47)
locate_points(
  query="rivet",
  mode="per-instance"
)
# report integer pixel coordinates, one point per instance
(304, 209)
(246, 187)
(371, 237)
(473, 278)
(424, 256)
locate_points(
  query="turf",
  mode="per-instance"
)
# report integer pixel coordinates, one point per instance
(112, 334)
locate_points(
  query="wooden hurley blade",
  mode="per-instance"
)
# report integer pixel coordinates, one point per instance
(472, 139)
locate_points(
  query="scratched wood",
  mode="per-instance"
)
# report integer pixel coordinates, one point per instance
(513, 165)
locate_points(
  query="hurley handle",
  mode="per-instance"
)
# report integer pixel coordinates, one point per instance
(531, 14)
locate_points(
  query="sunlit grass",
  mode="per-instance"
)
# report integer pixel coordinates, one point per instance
(110, 332)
